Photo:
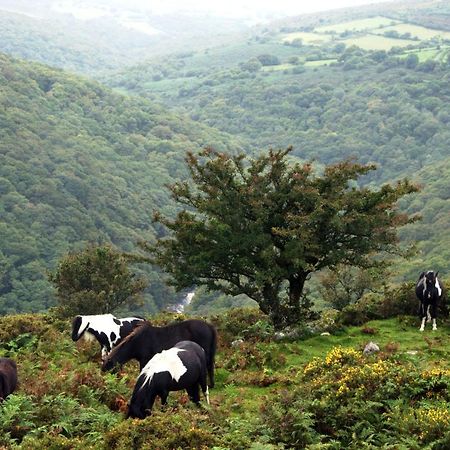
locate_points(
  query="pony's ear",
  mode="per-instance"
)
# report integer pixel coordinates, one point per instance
(435, 276)
(421, 275)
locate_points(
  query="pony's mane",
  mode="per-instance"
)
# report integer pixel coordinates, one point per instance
(137, 330)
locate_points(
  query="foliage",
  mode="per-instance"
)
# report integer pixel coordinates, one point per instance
(268, 394)
(394, 301)
(252, 229)
(96, 280)
(80, 164)
(342, 285)
(356, 401)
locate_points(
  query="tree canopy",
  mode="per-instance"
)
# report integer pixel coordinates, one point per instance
(261, 226)
(96, 280)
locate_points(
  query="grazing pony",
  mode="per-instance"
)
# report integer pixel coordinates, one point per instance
(105, 328)
(429, 292)
(180, 367)
(146, 340)
(8, 377)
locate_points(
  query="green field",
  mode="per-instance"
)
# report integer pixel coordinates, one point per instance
(307, 38)
(424, 54)
(416, 31)
(375, 42)
(357, 25)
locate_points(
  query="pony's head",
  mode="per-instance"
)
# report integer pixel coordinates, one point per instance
(430, 283)
(123, 352)
(79, 326)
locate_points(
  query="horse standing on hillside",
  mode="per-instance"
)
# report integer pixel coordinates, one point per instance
(429, 292)
(180, 367)
(146, 340)
(8, 377)
(106, 329)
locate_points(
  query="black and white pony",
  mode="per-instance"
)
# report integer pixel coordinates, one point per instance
(180, 367)
(146, 340)
(105, 328)
(429, 292)
(8, 377)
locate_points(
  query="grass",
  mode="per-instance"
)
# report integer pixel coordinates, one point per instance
(357, 25)
(424, 54)
(52, 365)
(416, 31)
(307, 38)
(376, 42)
(320, 62)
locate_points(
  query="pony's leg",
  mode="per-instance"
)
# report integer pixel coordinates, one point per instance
(422, 326)
(204, 385)
(434, 314)
(211, 373)
(194, 394)
(148, 405)
(164, 395)
(428, 314)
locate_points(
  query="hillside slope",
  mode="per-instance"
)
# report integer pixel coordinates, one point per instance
(321, 392)
(78, 164)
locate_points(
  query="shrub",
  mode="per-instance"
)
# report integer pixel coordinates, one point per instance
(249, 324)
(362, 402)
(96, 280)
(182, 429)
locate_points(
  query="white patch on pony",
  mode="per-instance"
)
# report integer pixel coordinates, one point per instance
(438, 287)
(434, 325)
(422, 327)
(207, 395)
(88, 337)
(103, 323)
(166, 361)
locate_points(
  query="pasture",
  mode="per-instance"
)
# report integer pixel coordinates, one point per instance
(376, 42)
(415, 30)
(370, 23)
(64, 399)
(307, 38)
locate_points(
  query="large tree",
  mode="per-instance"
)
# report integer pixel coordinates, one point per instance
(261, 227)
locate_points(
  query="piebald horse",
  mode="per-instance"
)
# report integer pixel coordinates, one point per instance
(429, 292)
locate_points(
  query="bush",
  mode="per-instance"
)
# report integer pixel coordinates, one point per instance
(182, 429)
(361, 401)
(249, 324)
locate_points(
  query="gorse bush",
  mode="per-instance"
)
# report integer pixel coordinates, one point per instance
(356, 400)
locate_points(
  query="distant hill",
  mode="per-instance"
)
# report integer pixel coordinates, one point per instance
(330, 102)
(79, 164)
(96, 37)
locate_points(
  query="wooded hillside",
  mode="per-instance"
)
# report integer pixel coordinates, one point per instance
(80, 164)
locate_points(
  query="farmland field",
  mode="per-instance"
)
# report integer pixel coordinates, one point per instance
(438, 54)
(416, 31)
(375, 42)
(307, 38)
(357, 25)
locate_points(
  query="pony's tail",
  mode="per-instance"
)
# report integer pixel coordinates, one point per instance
(212, 355)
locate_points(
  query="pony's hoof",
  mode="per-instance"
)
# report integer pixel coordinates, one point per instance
(421, 329)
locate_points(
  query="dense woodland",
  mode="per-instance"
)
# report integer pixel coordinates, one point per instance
(92, 164)
(80, 164)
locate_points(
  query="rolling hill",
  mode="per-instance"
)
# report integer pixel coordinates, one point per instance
(80, 164)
